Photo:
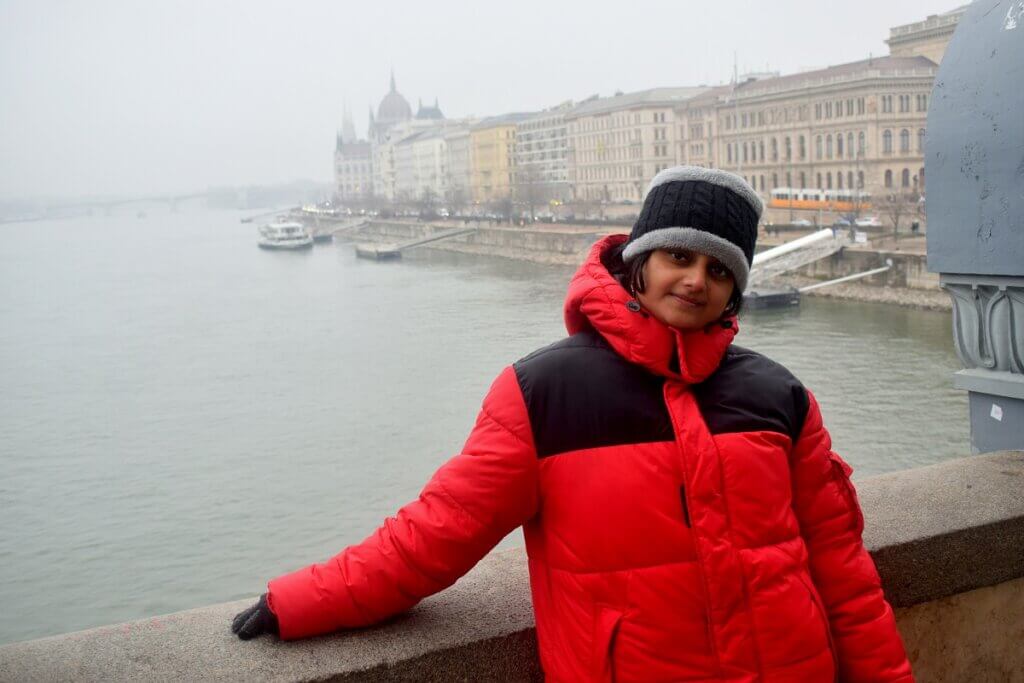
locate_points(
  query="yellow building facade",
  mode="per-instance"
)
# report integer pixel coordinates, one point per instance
(492, 158)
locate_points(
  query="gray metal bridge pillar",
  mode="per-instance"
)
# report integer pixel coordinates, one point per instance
(974, 155)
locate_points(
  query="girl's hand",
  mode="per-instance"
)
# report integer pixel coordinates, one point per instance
(255, 620)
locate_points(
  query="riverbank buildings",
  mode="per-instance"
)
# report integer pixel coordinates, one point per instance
(854, 126)
(541, 158)
(617, 144)
(492, 145)
(353, 163)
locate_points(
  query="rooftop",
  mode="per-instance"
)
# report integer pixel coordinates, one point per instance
(641, 98)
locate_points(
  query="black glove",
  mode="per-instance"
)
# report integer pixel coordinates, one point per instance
(255, 620)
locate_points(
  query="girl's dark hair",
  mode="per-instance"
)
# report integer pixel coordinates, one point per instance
(631, 277)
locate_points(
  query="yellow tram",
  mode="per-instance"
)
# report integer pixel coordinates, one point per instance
(829, 200)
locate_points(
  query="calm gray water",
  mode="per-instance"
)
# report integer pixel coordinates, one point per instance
(184, 416)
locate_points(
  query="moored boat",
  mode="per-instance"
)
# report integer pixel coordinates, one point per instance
(284, 236)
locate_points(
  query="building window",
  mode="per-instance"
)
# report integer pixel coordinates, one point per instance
(775, 149)
(819, 181)
(828, 110)
(745, 151)
(762, 156)
(905, 179)
(728, 153)
(920, 179)
(904, 140)
(904, 103)
(886, 104)
(803, 148)
(920, 140)
(922, 103)
(839, 145)
(860, 105)
(849, 107)
(888, 178)
(887, 142)
(789, 149)
(861, 149)
(849, 179)
(828, 146)
(817, 147)
(828, 180)
(803, 179)
(839, 180)
(775, 180)
(860, 180)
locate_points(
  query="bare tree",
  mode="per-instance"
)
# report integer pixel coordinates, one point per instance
(896, 206)
(456, 197)
(530, 189)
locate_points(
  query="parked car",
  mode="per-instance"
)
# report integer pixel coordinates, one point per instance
(842, 223)
(868, 222)
(803, 223)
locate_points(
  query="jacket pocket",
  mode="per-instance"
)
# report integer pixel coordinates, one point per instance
(841, 473)
(823, 618)
(606, 628)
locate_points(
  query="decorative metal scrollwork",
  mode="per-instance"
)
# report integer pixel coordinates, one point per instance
(988, 323)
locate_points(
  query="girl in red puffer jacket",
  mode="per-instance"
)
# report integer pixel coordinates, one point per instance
(685, 517)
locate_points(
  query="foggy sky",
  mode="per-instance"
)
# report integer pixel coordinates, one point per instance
(131, 98)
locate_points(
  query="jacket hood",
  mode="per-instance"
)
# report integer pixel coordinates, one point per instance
(597, 301)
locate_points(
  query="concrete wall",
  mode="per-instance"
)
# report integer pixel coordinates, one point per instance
(569, 244)
(909, 270)
(541, 245)
(947, 541)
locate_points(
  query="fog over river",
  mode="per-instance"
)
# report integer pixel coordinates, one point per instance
(184, 416)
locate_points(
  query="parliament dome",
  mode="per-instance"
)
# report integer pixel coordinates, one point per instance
(393, 108)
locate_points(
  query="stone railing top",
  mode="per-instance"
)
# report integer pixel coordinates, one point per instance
(934, 531)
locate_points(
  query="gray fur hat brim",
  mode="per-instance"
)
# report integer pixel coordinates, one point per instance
(694, 239)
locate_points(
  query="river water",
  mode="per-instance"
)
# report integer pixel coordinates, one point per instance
(184, 416)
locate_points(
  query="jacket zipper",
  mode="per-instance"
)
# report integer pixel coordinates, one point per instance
(686, 508)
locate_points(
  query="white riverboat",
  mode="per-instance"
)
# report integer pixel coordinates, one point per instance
(284, 235)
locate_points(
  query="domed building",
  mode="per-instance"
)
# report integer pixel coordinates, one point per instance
(393, 109)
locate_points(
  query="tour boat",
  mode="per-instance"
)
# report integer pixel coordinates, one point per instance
(284, 235)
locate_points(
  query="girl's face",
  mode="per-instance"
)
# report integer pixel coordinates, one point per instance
(685, 289)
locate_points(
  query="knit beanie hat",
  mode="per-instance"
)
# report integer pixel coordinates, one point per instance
(706, 210)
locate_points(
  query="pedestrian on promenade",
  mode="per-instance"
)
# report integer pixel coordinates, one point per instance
(684, 514)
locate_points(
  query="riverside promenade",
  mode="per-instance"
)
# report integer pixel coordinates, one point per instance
(908, 283)
(947, 540)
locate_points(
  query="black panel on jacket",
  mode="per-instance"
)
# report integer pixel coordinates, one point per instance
(749, 392)
(580, 394)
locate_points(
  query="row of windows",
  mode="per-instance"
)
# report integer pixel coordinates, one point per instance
(610, 173)
(616, 138)
(824, 180)
(904, 141)
(823, 146)
(903, 102)
(614, 154)
(755, 151)
(545, 134)
(770, 116)
(852, 106)
(906, 180)
(529, 147)
(609, 122)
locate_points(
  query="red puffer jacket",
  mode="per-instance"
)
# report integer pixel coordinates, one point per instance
(684, 515)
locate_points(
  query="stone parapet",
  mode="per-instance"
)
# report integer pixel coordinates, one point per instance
(946, 539)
